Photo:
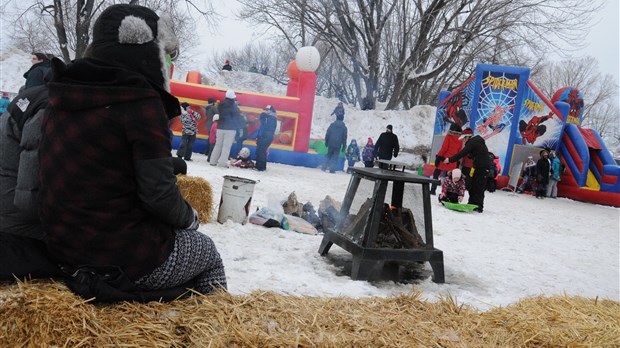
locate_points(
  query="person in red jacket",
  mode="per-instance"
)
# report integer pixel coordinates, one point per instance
(451, 145)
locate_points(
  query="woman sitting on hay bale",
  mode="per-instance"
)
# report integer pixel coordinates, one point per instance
(109, 198)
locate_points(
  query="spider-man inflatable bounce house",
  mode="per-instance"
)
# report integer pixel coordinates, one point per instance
(503, 106)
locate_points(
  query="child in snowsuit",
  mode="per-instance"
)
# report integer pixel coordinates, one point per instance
(353, 154)
(368, 154)
(452, 187)
(494, 171)
(529, 175)
(213, 135)
(243, 159)
(189, 121)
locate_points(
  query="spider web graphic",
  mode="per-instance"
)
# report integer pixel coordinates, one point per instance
(503, 97)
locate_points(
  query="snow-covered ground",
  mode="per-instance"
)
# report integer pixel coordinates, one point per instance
(518, 247)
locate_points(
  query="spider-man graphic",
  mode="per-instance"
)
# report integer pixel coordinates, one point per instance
(453, 106)
(576, 103)
(533, 129)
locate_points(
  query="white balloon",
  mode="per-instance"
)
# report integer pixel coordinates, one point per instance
(308, 58)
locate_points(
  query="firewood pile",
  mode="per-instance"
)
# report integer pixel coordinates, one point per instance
(397, 228)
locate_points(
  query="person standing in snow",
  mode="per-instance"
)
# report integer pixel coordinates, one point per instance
(227, 66)
(336, 141)
(227, 127)
(189, 121)
(36, 74)
(213, 135)
(542, 174)
(450, 146)
(338, 110)
(555, 173)
(108, 193)
(529, 175)
(210, 110)
(494, 170)
(368, 155)
(352, 155)
(476, 146)
(268, 124)
(386, 146)
(4, 102)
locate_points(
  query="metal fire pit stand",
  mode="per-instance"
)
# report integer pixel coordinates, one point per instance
(366, 256)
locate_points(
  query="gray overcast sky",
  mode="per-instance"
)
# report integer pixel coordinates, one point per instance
(603, 40)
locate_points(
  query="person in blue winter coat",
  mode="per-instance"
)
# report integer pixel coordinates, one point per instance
(189, 121)
(4, 102)
(335, 140)
(352, 155)
(268, 124)
(554, 175)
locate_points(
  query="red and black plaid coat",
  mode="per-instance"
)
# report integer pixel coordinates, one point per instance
(108, 192)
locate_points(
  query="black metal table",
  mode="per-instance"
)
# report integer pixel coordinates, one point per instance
(393, 165)
(366, 255)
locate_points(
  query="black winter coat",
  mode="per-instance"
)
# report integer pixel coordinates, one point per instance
(336, 136)
(477, 147)
(386, 145)
(230, 115)
(542, 171)
(20, 131)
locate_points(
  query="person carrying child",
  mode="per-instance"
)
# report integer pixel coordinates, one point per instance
(353, 154)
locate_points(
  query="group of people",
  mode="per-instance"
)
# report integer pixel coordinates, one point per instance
(543, 175)
(87, 184)
(480, 168)
(226, 128)
(385, 148)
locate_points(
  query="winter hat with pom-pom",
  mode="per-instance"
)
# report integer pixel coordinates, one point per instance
(135, 38)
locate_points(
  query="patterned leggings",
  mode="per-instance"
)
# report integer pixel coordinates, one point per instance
(194, 257)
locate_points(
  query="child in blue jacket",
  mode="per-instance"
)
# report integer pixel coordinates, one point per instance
(353, 154)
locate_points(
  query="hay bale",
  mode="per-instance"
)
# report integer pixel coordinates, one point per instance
(198, 192)
(44, 313)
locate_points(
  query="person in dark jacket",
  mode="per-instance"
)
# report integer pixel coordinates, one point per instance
(36, 74)
(108, 193)
(227, 127)
(386, 146)
(210, 111)
(542, 174)
(227, 66)
(22, 250)
(476, 146)
(335, 140)
(338, 110)
(268, 124)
